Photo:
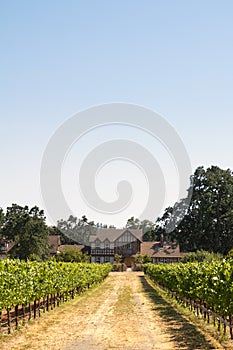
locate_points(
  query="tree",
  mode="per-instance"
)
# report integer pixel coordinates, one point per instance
(133, 223)
(200, 256)
(149, 233)
(208, 222)
(148, 228)
(27, 228)
(118, 258)
(72, 255)
(54, 231)
(1, 220)
(146, 259)
(101, 225)
(77, 230)
(167, 225)
(142, 259)
(139, 258)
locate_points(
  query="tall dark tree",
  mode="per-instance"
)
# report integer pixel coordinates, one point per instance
(54, 231)
(208, 223)
(1, 220)
(162, 224)
(29, 231)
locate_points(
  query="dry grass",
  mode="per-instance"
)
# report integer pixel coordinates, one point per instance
(126, 313)
(218, 339)
(58, 327)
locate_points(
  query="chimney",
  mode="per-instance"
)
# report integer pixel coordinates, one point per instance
(161, 239)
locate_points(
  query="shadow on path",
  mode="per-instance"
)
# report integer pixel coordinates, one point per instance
(185, 334)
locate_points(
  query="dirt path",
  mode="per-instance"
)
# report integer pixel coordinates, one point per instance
(124, 313)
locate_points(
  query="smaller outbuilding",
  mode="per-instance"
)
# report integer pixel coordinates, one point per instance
(162, 252)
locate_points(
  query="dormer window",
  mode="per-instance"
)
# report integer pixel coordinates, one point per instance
(106, 244)
(97, 243)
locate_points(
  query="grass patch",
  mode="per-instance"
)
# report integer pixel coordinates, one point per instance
(184, 329)
(124, 303)
(59, 314)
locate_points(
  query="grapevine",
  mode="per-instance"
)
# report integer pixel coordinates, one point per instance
(208, 284)
(23, 283)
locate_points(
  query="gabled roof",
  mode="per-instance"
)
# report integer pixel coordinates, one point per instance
(156, 250)
(54, 243)
(113, 234)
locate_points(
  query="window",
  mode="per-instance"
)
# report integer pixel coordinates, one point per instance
(107, 259)
(126, 238)
(97, 243)
(106, 244)
(97, 259)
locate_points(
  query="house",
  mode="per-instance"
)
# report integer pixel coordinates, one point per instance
(54, 244)
(162, 252)
(128, 243)
(5, 247)
(108, 242)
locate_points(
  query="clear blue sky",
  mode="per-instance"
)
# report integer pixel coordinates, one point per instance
(58, 57)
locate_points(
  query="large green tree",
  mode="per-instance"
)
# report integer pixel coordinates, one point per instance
(71, 254)
(77, 230)
(27, 228)
(208, 222)
(54, 231)
(149, 229)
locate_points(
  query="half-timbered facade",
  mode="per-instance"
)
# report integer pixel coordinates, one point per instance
(128, 243)
(108, 242)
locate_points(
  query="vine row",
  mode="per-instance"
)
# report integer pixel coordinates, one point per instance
(28, 288)
(206, 287)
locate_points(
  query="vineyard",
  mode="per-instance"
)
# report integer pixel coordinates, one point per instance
(206, 287)
(29, 288)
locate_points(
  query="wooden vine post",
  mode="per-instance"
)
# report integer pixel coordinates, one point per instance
(9, 321)
(16, 316)
(231, 326)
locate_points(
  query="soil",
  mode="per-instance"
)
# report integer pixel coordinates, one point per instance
(123, 313)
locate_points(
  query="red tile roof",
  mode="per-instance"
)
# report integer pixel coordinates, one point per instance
(76, 247)
(156, 250)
